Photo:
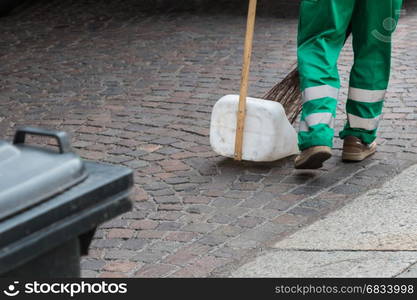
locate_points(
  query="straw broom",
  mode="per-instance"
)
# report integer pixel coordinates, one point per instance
(288, 93)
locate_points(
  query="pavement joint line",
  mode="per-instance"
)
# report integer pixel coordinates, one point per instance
(405, 270)
(338, 250)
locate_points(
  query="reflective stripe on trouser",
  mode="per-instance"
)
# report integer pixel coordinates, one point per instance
(317, 117)
(364, 109)
(320, 40)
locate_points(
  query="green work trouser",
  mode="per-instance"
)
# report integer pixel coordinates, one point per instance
(323, 26)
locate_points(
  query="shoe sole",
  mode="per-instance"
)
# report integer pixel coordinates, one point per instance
(314, 161)
(357, 156)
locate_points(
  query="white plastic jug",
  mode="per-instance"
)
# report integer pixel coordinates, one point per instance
(268, 135)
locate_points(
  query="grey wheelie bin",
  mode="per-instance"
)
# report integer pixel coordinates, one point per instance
(51, 202)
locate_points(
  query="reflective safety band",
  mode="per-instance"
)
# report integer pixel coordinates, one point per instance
(317, 92)
(315, 119)
(361, 123)
(369, 96)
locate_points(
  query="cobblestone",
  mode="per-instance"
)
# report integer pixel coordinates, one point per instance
(181, 236)
(121, 266)
(156, 270)
(144, 224)
(134, 244)
(134, 83)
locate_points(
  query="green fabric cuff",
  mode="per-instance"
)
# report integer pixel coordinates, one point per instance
(319, 135)
(366, 136)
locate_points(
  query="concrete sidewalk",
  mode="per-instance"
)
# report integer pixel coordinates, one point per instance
(373, 236)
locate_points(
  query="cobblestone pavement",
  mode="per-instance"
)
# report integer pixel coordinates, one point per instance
(135, 82)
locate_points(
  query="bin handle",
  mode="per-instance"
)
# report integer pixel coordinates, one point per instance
(60, 136)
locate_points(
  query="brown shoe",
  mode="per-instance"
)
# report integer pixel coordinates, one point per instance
(355, 150)
(313, 157)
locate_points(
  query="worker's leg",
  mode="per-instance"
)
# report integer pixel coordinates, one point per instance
(321, 36)
(373, 23)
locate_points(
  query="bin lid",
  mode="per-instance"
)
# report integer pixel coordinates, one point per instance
(31, 174)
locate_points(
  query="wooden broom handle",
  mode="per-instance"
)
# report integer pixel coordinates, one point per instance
(241, 114)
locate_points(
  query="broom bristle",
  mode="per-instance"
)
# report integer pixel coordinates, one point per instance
(287, 92)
